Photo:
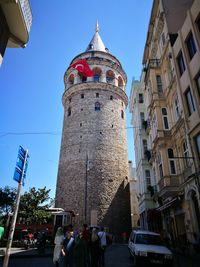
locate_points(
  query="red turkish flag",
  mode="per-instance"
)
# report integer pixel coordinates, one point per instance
(82, 67)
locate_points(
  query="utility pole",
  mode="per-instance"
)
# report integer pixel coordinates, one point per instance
(19, 175)
(86, 182)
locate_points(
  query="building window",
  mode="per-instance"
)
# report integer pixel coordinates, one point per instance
(110, 76)
(97, 95)
(190, 43)
(97, 74)
(197, 142)
(176, 108)
(81, 124)
(96, 78)
(70, 100)
(120, 81)
(142, 119)
(71, 79)
(171, 161)
(186, 154)
(181, 63)
(111, 97)
(145, 147)
(197, 80)
(148, 178)
(160, 165)
(122, 114)
(165, 119)
(189, 101)
(141, 99)
(82, 95)
(69, 112)
(163, 38)
(97, 106)
(198, 22)
(159, 83)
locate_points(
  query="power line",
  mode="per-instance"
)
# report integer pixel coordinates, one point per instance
(3, 134)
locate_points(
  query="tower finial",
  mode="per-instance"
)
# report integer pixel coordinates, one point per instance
(97, 26)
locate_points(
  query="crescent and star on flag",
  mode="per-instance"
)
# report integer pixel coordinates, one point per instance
(82, 67)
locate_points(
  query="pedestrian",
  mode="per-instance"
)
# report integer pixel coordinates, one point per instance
(102, 237)
(87, 237)
(80, 251)
(95, 248)
(68, 249)
(1, 233)
(58, 241)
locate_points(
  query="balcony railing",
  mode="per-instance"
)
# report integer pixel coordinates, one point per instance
(26, 10)
(170, 181)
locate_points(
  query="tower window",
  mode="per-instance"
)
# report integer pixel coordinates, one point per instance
(97, 74)
(82, 95)
(71, 79)
(69, 112)
(97, 106)
(70, 100)
(110, 76)
(111, 97)
(120, 81)
(97, 95)
(80, 124)
(122, 114)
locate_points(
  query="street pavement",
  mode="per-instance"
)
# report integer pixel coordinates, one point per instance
(117, 255)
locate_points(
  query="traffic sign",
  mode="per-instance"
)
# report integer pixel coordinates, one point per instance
(21, 165)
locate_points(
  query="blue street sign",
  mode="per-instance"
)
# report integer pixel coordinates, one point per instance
(21, 165)
(17, 175)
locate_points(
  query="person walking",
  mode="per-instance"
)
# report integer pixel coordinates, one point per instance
(87, 237)
(58, 241)
(80, 251)
(95, 248)
(103, 243)
(68, 249)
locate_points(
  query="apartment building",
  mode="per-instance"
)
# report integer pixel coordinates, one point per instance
(15, 24)
(146, 184)
(171, 82)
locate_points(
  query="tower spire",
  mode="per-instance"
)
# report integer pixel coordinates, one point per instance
(97, 26)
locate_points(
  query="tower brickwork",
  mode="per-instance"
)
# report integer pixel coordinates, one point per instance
(93, 166)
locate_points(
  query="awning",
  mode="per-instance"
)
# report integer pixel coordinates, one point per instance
(166, 205)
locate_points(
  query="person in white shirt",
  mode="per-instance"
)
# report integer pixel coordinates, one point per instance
(58, 241)
(102, 237)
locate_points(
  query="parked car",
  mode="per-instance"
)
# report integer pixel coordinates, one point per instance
(147, 248)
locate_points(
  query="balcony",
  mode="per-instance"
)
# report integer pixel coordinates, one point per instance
(148, 155)
(19, 19)
(146, 125)
(169, 185)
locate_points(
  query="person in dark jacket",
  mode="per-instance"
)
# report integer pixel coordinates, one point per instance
(95, 248)
(80, 251)
(68, 249)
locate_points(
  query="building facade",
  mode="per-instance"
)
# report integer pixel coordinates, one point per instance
(15, 24)
(93, 167)
(142, 143)
(171, 82)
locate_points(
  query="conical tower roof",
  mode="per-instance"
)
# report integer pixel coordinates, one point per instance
(96, 44)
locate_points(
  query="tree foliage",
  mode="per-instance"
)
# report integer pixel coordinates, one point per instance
(33, 206)
(7, 199)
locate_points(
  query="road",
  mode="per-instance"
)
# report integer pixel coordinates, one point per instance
(117, 255)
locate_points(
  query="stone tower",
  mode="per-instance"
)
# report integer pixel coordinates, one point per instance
(93, 166)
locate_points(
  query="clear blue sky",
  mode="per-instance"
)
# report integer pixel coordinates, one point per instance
(31, 79)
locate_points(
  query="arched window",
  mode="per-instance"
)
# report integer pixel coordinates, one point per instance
(110, 76)
(120, 81)
(97, 106)
(172, 164)
(82, 78)
(71, 79)
(97, 74)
